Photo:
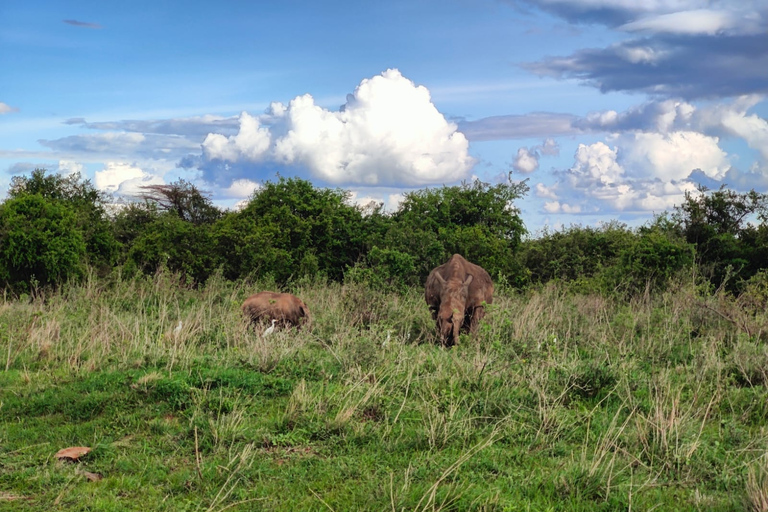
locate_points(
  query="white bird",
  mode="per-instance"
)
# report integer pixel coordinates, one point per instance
(177, 329)
(270, 329)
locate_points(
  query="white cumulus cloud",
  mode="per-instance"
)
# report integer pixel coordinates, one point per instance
(672, 156)
(124, 179)
(70, 167)
(639, 175)
(545, 192)
(733, 119)
(250, 143)
(558, 207)
(388, 132)
(526, 161)
(597, 163)
(239, 189)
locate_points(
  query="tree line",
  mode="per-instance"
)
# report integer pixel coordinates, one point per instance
(55, 229)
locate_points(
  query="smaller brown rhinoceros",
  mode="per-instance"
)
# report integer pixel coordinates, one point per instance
(457, 292)
(286, 309)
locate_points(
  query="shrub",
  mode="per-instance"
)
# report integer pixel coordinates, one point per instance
(718, 224)
(384, 270)
(651, 260)
(175, 244)
(39, 242)
(477, 220)
(84, 200)
(575, 253)
(286, 222)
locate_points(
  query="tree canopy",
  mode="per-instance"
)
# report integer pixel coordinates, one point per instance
(53, 227)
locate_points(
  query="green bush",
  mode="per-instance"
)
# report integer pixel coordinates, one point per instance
(242, 248)
(575, 253)
(729, 248)
(40, 242)
(476, 220)
(85, 201)
(175, 244)
(384, 270)
(654, 257)
(291, 227)
(130, 222)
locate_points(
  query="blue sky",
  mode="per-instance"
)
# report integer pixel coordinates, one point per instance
(612, 109)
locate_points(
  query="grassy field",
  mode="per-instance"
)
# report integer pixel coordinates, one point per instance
(561, 402)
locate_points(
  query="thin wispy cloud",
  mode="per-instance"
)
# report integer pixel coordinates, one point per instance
(520, 126)
(691, 49)
(191, 127)
(693, 67)
(83, 24)
(7, 109)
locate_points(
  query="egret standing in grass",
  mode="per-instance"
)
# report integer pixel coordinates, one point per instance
(269, 330)
(177, 330)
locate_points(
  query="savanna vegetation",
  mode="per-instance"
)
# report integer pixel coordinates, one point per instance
(618, 369)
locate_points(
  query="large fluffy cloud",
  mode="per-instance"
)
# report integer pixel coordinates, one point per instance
(601, 180)
(526, 161)
(674, 124)
(239, 189)
(674, 155)
(388, 132)
(250, 143)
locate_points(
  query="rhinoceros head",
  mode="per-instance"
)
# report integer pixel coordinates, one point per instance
(453, 303)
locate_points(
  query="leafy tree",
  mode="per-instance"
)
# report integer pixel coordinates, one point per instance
(184, 199)
(718, 224)
(85, 201)
(477, 220)
(175, 244)
(384, 270)
(289, 227)
(172, 228)
(244, 247)
(132, 220)
(655, 256)
(71, 188)
(576, 252)
(39, 242)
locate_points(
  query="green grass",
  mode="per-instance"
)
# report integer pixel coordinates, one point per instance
(560, 402)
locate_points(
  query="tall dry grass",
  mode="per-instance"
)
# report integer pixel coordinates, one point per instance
(643, 388)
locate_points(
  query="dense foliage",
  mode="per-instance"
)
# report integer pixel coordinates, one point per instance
(720, 225)
(41, 242)
(53, 227)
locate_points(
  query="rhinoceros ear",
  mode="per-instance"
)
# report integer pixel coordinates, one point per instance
(468, 280)
(439, 278)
